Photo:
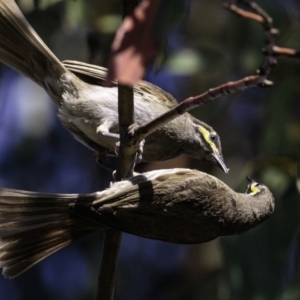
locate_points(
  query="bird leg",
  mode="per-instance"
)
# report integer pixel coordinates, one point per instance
(139, 153)
(103, 129)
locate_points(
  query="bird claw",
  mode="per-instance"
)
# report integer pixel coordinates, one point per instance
(132, 128)
(117, 147)
(138, 158)
(114, 173)
(139, 153)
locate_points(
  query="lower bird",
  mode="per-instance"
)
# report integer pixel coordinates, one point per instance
(173, 205)
(89, 109)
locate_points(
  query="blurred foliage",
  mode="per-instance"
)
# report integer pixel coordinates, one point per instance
(260, 132)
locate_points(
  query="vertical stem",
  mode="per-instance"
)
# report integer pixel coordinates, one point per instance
(110, 253)
(126, 118)
(112, 238)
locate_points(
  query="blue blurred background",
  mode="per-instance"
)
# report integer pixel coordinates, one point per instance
(260, 132)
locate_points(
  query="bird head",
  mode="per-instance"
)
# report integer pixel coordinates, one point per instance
(253, 187)
(211, 143)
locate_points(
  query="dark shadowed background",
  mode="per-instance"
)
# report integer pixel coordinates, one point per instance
(260, 132)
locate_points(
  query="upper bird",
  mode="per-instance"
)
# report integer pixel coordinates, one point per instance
(89, 110)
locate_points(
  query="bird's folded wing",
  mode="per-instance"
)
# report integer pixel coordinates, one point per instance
(97, 75)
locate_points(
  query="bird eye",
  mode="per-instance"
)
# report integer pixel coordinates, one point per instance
(213, 137)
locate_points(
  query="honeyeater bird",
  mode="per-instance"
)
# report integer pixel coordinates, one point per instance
(173, 205)
(89, 109)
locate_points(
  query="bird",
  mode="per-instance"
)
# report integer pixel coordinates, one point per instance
(87, 106)
(172, 205)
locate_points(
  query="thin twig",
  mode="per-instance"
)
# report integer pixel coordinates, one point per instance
(282, 51)
(193, 102)
(244, 14)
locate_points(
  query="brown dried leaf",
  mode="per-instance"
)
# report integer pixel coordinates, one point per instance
(134, 44)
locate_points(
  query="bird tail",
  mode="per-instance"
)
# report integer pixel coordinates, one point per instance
(22, 49)
(35, 225)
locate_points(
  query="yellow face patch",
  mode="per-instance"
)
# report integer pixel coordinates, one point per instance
(254, 189)
(206, 135)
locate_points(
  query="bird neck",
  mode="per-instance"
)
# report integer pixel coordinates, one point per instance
(192, 145)
(251, 210)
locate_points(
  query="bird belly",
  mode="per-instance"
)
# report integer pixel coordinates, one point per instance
(97, 107)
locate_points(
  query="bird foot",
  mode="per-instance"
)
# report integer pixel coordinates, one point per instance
(132, 128)
(139, 153)
(117, 147)
(138, 158)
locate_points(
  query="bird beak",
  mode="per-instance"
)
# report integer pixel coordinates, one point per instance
(250, 180)
(220, 161)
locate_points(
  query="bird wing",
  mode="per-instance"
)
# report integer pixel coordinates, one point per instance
(97, 75)
(151, 187)
(92, 73)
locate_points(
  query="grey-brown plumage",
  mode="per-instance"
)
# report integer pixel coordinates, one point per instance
(88, 109)
(174, 205)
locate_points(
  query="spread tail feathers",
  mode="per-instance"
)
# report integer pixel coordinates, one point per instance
(22, 49)
(34, 226)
